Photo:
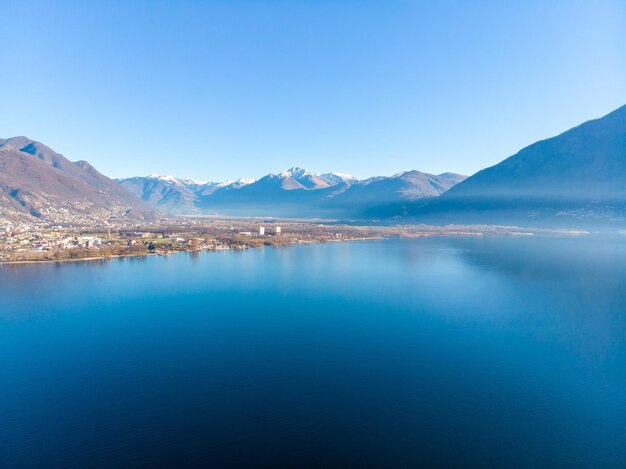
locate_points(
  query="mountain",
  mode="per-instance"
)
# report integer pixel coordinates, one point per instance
(307, 179)
(404, 186)
(295, 192)
(576, 177)
(586, 163)
(336, 178)
(181, 196)
(228, 185)
(38, 183)
(165, 192)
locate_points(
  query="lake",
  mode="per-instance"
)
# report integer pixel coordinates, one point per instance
(476, 351)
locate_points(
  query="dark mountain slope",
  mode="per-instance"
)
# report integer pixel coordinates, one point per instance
(577, 178)
(586, 163)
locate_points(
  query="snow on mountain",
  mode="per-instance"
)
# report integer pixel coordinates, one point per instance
(293, 191)
(295, 172)
(334, 178)
(193, 182)
(307, 179)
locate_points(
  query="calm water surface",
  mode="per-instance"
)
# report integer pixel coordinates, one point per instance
(456, 351)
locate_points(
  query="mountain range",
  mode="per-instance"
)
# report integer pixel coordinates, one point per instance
(577, 176)
(295, 192)
(37, 183)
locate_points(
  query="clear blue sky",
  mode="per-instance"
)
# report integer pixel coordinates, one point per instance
(222, 89)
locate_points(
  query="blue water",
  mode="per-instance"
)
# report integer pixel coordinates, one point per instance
(450, 351)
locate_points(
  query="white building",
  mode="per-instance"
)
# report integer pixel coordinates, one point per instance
(261, 231)
(87, 241)
(278, 230)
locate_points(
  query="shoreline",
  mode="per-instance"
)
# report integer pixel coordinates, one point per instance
(162, 254)
(514, 233)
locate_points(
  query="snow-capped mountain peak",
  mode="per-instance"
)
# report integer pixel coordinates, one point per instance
(174, 180)
(295, 172)
(163, 178)
(245, 181)
(168, 179)
(225, 183)
(193, 182)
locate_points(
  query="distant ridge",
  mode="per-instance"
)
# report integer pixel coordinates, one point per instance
(295, 192)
